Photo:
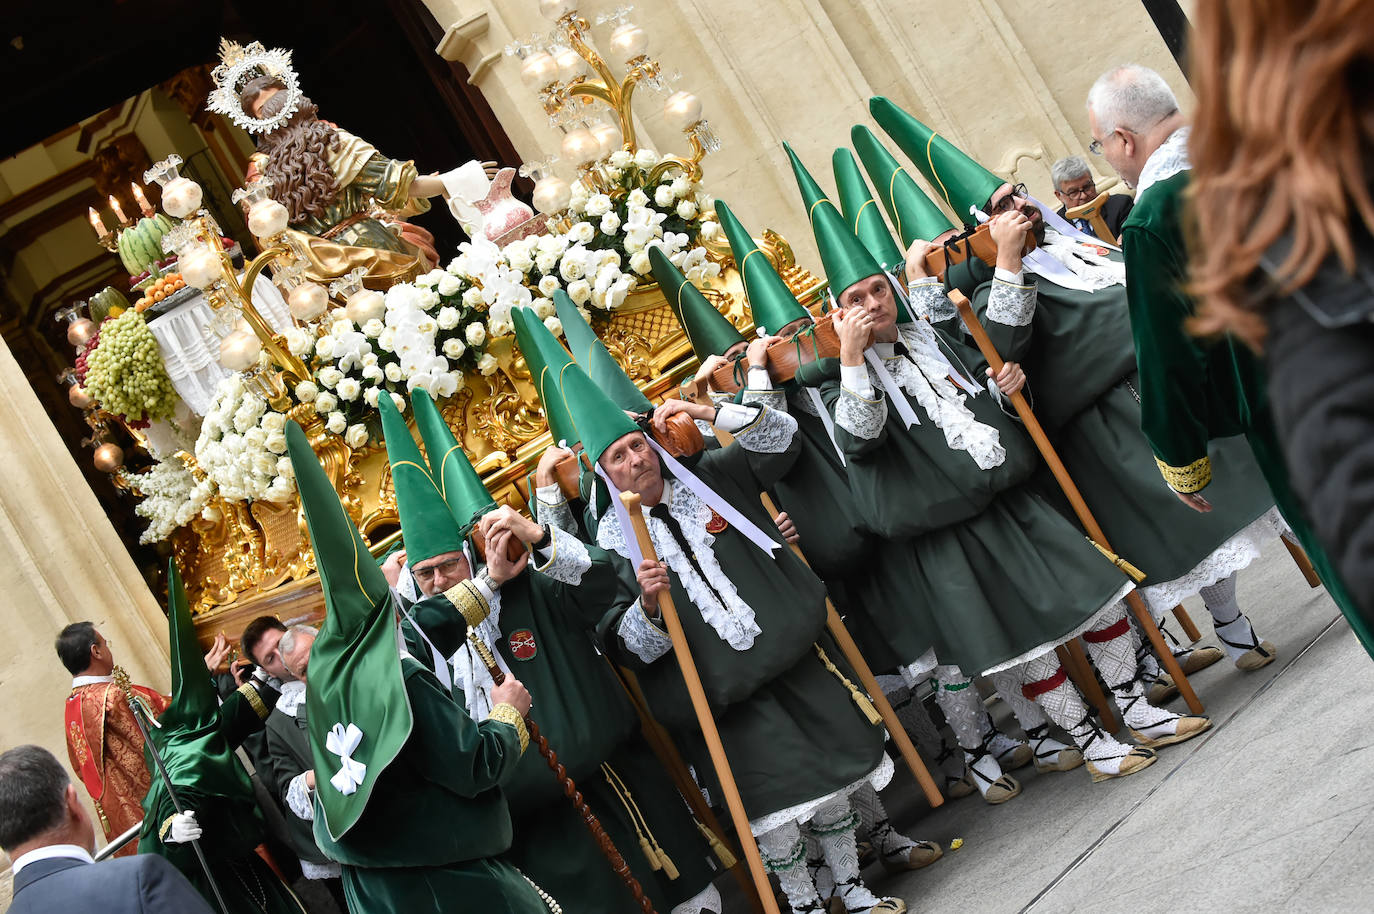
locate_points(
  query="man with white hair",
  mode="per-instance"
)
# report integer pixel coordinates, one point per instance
(288, 753)
(1191, 391)
(1074, 186)
(1062, 312)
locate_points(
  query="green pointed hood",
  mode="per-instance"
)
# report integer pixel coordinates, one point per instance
(915, 215)
(709, 331)
(956, 178)
(843, 255)
(811, 191)
(596, 360)
(771, 303)
(193, 748)
(546, 359)
(355, 665)
(459, 485)
(597, 418)
(427, 526)
(861, 213)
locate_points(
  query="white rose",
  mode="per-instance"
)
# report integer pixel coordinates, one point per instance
(448, 318)
(710, 230)
(273, 422)
(370, 396)
(428, 298)
(473, 297)
(610, 224)
(399, 402)
(681, 187)
(449, 284)
(326, 403)
(546, 261)
(329, 377)
(337, 423)
(349, 389)
(275, 442)
(373, 328)
(571, 268)
(454, 348)
(427, 326)
(387, 339)
(686, 209)
(646, 158)
(393, 372)
(519, 259)
(340, 326)
(544, 308)
(582, 232)
(298, 341)
(637, 198)
(475, 334)
(254, 437)
(640, 263)
(306, 392)
(324, 347)
(548, 285)
(621, 158)
(663, 195)
(580, 291)
(554, 325)
(373, 373)
(356, 436)
(487, 364)
(598, 205)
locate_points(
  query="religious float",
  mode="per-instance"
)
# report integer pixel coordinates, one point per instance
(188, 388)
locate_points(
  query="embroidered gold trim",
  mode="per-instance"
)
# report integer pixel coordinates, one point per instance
(469, 601)
(254, 700)
(1192, 478)
(506, 714)
(166, 826)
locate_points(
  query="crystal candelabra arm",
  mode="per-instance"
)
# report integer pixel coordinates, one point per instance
(273, 342)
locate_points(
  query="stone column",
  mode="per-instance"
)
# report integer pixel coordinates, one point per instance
(60, 562)
(1005, 80)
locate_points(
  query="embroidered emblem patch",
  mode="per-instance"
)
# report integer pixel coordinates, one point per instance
(522, 646)
(716, 524)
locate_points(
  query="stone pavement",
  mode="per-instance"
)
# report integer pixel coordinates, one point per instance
(1271, 810)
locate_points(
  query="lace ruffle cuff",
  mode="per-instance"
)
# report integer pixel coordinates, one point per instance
(568, 559)
(1011, 304)
(770, 432)
(860, 416)
(646, 640)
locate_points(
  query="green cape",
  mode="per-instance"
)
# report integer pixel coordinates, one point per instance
(355, 664)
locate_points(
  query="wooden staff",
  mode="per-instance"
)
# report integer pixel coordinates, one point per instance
(1302, 561)
(1185, 620)
(560, 772)
(663, 747)
(851, 652)
(1080, 508)
(683, 653)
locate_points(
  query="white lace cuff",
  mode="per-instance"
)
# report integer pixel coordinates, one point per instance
(298, 798)
(770, 432)
(1010, 303)
(553, 508)
(769, 397)
(644, 638)
(758, 379)
(734, 416)
(568, 560)
(862, 417)
(855, 380)
(926, 298)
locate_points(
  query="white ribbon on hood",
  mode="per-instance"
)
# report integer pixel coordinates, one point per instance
(343, 742)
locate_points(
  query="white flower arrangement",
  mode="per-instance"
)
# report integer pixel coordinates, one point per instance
(242, 443)
(171, 498)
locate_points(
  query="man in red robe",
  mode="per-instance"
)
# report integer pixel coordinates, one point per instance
(103, 739)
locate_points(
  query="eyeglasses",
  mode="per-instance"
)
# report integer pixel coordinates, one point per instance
(1083, 192)
(1095, 147)
(1007, 203)
(426, 574)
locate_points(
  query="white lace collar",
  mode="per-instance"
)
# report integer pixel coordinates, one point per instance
(1168, 160)
(292, 695)
(925, 376)
(733, 621)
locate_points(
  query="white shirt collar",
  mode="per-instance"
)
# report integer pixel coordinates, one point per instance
(50, 852)
(292, 695)
(91, 680)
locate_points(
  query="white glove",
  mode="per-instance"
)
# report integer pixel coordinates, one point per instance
(184, 828)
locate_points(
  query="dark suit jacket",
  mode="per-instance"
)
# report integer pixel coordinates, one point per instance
(145, 884)
(1114, 212)
(288, 754)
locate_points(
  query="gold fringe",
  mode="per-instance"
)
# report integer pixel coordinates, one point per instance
(1132, 572)
(863, 701)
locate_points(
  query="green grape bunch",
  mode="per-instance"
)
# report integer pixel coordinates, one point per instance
(125, 373)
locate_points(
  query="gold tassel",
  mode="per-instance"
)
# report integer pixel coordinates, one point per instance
(722, 852)
(1132, 572)
(658, 858)
(654, 863)
(863, 701)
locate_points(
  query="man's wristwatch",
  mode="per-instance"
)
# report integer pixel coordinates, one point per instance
(546, 540)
